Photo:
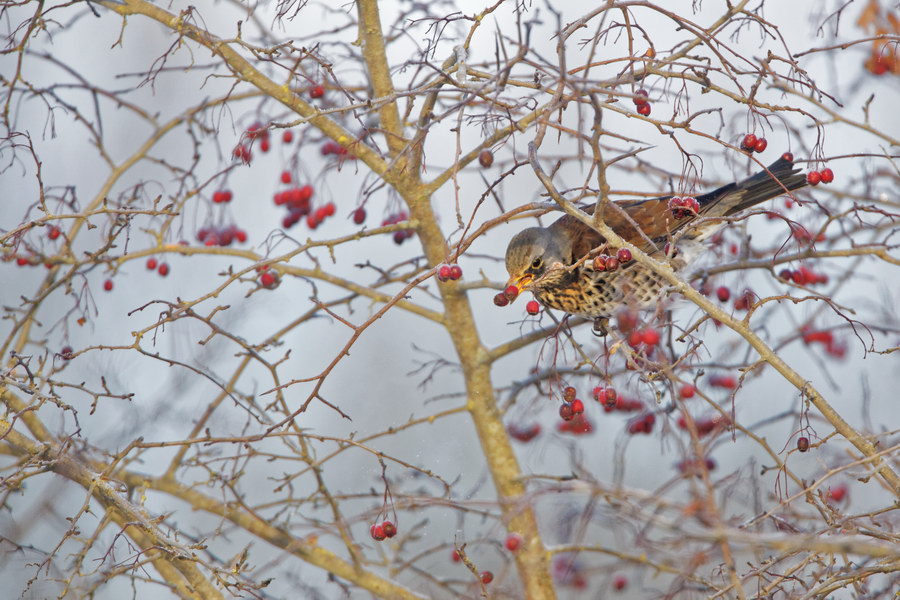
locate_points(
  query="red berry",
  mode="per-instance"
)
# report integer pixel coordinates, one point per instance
(163, 269)
(330, 209)
(687, 391)
(151, 264)
(644, 109)
(612, 263)
(241, 235)
(827, 175)
(760, 144)
(650, 337)
(316, 91)
(511, 292)
(108, 285)
(444, 273)
(390, 530)
(305, 193)
(486, 158)
(569, 393)
(287, 137)
(723, 294)
(377, 532)
(788, 156)
(54, 232)
(486, 577)
(577, 406)
(533, 307)
(285, 177)
(803, 444)
(635, 338)
(566, 411)
(265, 145)
(455, 272)
(748, 144)
(620, 583)
(268, 279)
(813, 178)
(513, 542)
(359, 215)
(66, 353)
(501, 299)
(455, 556)
(600, 262)
(640, 97)
(837, 493)
(610, 396)
(624, 255)
(723, 381)
(524, 434)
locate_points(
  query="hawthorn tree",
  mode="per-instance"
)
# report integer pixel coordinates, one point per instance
(249, 343)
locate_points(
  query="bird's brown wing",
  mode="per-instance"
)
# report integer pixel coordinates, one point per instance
(652, 217)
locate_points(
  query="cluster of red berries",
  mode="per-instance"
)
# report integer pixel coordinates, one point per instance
(751, 143)
(222, 196)
(267, 278)
(641, 101)
(826, 175)
(524, 433)
(221, 236)
(449, 272)
(605, 262)
(684, 207)
(642, 424)
(728, 382)
(706, 425)
(402, 235)
(803, 276)
(802, 234)
(745, 300)
(569, 572)
(160, 267)
(386, 529)
(826, 338)
(331, 147)
(577, 425)
(696, 466)
(648, 337)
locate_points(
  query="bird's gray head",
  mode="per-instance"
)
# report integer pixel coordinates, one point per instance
(530, 254)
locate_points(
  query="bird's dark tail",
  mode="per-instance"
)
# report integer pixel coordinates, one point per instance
(780, 177)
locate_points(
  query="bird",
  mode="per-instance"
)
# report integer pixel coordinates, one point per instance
(558, 263)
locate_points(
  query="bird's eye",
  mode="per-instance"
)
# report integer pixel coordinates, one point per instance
(536, 263)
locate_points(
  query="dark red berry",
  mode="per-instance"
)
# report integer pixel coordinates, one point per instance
(513, 542)
(640, 97)
(455, 272)
(624, 255)
(359, 215)
(486, 577)
(533, 307)
(827, 175)
(723, 294)
(377, 532)
(287, 137)
(788, 156)
(803, 444)
(612, 263)
(163, 269)
(748, 144)
(66, 353)
(600, 262)
(644, 109)
(501, 299)
(151, 264)
(566, 411)
(390, 530)
(760, 145)
(444, 273)
(813, 178)
(316, 91)
(486, 158)
(511, 292)
(108, 285)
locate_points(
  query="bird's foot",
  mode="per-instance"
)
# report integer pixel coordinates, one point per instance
(601, 326)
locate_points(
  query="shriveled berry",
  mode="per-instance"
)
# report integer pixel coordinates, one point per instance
(501, 299)
(513, 542)
(377, 532)
(444, 273)
(151, 264)
(108, 285)
(748, 144)
(788, 156)
(390, 530)
(624, 255)
(761, 144)
(486, 577)
(455, 272)
(359, 215)
(827, 175)
(163, 269)
(533, 307)
(723, 294)
(813, 178)
(485, 158)
(511, 292)
(644, 109)
(600, 262)
(566, 411)
(316, 91)
(569, 393)
(803, 444)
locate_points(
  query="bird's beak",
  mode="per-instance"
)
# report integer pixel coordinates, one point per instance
(520, 283)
